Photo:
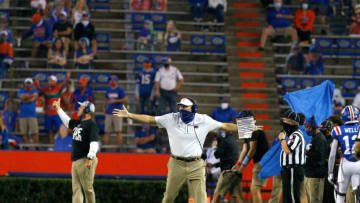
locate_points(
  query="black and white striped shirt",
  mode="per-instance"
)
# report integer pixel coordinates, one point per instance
(296, 144)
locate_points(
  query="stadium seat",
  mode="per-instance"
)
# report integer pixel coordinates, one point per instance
(344, 43)
(348, 86)
(103, 79)
(103, 40)
(159, 21)
(138, 20)
(324, 43)
(87, 75)
(101, 7)
(43, 76)
(219, 43)
(140, 58)
(356, 43)
(156, 59)
(287, 83)
(307, 82)
(198, 41)
(3, 98)
(61, 76)
(356, 67)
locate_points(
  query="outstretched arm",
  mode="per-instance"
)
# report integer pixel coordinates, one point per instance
(231, 127)
(63, 116)
(123, 113)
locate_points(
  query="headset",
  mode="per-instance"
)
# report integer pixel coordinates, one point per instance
(89, 107)
(194, 107)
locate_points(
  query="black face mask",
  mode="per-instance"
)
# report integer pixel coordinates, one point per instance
(166, 65)
(289, 128)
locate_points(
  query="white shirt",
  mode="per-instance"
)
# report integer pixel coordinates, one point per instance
(168, 78)
(356, 101)
(215, 3)
(182, 137)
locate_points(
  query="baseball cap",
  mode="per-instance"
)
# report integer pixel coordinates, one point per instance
(53, 77)
(185, 102)
(83, 80)
(29, 80)
(114, 77)
(36, 17)
(86, 103)
(166, 59)
(63, 13)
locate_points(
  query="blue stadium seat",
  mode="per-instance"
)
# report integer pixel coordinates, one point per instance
(156, 59)
(356, 67)
(5, 13)
(43, 76)
(307, 82)
(101, 7)
(348, 86)
(158, 18)
(102, 78)
(140, 58)
(100, 120)
(3, 97)
(219, 43)
(88, 75)
(61, 76)
(344, 43)
(138, 20)
(103, 40)
(198, 41)
(356, 43)
(287, 83)
(324, 43)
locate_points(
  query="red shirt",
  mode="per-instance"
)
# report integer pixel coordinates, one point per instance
(354, 29)
(304, 20)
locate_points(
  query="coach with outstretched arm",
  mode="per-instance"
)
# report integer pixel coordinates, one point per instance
(187, 131)
(84, 148)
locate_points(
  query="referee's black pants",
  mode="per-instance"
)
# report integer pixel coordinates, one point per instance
(292, 177)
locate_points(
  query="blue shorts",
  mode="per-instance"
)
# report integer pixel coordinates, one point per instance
(52, 123)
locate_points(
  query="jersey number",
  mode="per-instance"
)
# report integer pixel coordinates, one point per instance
(347, 145)
(145, 79)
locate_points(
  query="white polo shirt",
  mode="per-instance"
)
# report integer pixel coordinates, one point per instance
(182, 137)
(168, 78)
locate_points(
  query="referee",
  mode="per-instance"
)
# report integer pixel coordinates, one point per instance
(84, 148)
(292, 157)
(187, 131)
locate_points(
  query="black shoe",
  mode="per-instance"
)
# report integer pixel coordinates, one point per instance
(260, 49)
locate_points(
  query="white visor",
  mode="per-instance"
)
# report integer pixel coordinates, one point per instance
(185, 102)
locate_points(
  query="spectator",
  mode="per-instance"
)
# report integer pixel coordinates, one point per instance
(158, 5)
(63, 30)
(315, 65)
(6, 54)
(140, 5)
(225, 113)
(336, 22)
(10, 116)
(4, 135)
(51, 93)
(278, 20)
(145, 139)
(172, 37)
(84, 55)
(168, 81)
(212, 163)
(63, 142)
(338, 98)
(217, 8)
(85, 29)
(295, 61)
(355, 26)
(304, 21)
(4, 28)
(59, 7)
(320, 7)
(338, 107)
(28, 116)
(147, 37)
(39, 5)
(356, 101)
(78, 11)
(66, 104)
(315, 166)
(57, 55)
(198, 8)
(82, 93)
(145, 90)
(115, 97)
(41, 33)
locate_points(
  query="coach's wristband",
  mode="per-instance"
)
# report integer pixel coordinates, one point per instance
(238, 163)
(246, 161)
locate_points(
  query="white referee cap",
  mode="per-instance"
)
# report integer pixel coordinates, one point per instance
(29, 80)
(185, 102)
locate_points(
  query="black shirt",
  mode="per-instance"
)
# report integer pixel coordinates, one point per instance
(84, 132)
(82, 31)
(262, 144)
(316, 166)
(227, 151)
(62, 27)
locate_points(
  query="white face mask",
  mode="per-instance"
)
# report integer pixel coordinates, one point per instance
(85, 23)
(224, 106)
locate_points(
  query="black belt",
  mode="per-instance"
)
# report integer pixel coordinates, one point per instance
(293, 166)
(186, 159)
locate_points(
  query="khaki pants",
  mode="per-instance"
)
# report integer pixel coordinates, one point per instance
(229, 182)
(180, 172)
(314, 188)
(276, 190)
(83, 178)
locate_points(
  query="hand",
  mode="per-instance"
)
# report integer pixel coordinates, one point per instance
(88, 163)
(214, 144)
(282, 135)
(56, 104)
(175, 89)
(357, 150)
(258, 127)
(235, 168)
(122, 113)
(279, 16)
(111, 101)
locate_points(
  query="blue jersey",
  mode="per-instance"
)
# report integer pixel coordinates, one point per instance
(346, 136)
(145, 80)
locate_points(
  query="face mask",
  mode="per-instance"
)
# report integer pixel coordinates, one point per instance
(305, 6)
(85, 22)
(166, 65)
(277, 5)
(186, 116)
(224, 106)
(289, 129)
